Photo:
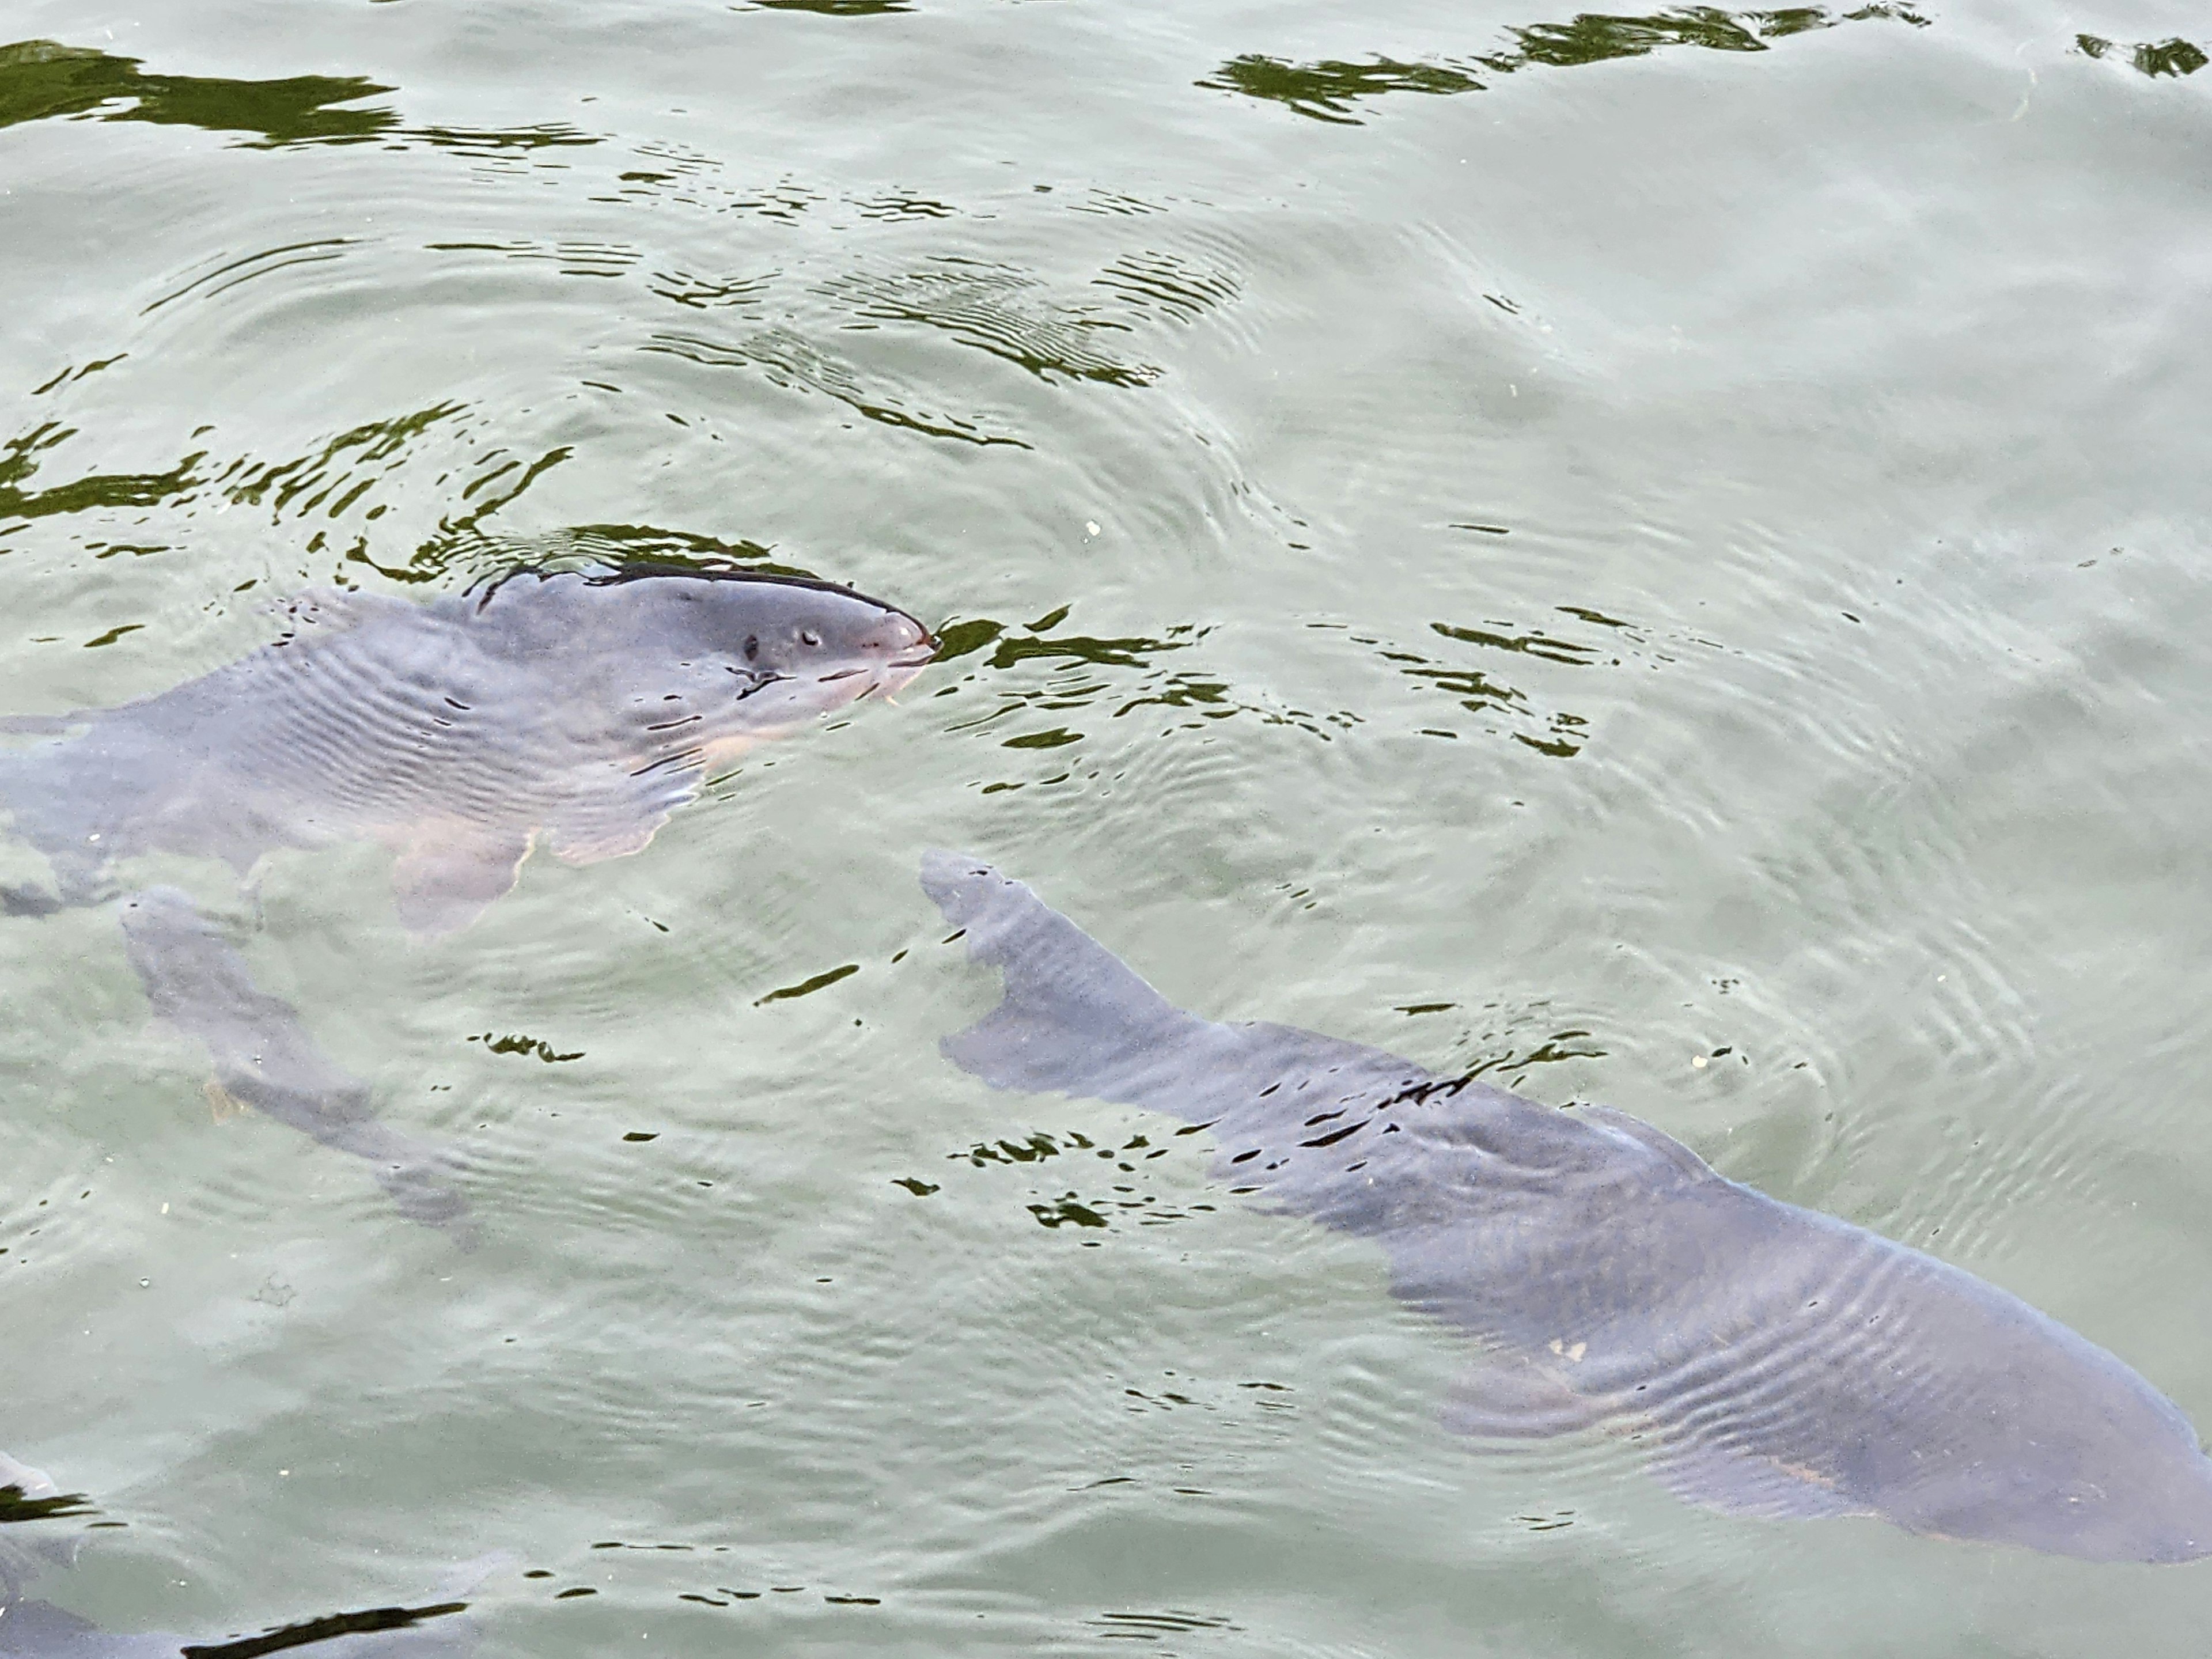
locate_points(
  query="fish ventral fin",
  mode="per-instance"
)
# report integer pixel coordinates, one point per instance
(1509, 1397)
(1745, 1483)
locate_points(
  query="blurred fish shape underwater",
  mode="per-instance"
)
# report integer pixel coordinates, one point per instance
(441, 1628)
(574, 708)
(1772, 1361)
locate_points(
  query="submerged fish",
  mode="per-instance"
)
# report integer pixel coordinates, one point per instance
(263, 1058)
(580, 708)
(1776, 1361)
(577, 708)
(39, 1629)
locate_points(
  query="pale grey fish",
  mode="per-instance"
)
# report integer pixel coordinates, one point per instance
(578, 708)
(1775, 1361)
(440, 1628)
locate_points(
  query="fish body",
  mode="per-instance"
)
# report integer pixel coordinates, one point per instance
(578, 709)
(574, 708)
(1773, 1360)
(262, 1057)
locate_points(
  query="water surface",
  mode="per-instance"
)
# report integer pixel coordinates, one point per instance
(1658, 557)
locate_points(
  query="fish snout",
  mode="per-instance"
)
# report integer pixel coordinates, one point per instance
(903, 649)
(901, 642)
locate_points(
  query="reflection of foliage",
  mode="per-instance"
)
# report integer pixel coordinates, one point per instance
(338, 481)
(1594, 37)
(1506, 709)
(835, 7)
(996, 309)
(19, 460)
(2175, 57)
(473, 555)
(40, 80)
(789, 360)
(1069, 1207)
(1164, 285)
(1327, 90)
(15, 1506)
(603, 259)
(1063, 675)
(1507, 1042)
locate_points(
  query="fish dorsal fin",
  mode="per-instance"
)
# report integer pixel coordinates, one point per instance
(445, 875)
(1636, 1129)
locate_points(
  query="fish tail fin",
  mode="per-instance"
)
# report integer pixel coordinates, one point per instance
(1076, 1018)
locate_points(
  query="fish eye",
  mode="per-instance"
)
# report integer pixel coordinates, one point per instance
(752, 648)
(808, 637)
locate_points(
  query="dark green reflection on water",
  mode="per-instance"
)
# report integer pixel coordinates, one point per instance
(44, 79)
(998, 309)
(792, 362)
(2174, 56)
(1050, 691)
(40, 79)
(1326, 90)
(835, 8)
(19, 460)
(467, 555)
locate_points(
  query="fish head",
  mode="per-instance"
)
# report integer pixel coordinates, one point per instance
(825, 646)
(707, 661)
(2099, 1466)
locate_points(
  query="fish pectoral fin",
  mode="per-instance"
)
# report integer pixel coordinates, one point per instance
(1750, 1483)
(1509, 1397)
(594, 843)
(222, 1105)
(442, 883)
(611, 815)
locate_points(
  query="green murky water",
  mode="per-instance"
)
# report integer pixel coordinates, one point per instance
(1661, 556)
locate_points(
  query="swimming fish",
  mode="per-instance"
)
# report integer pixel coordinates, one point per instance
(263, 1058)
(39, 1629)
(1774, 1361)
(580, 708)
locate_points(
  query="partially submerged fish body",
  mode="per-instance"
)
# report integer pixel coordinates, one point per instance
(39, 1629)
(1775, 1361)
(580, 708)
(263, 1058)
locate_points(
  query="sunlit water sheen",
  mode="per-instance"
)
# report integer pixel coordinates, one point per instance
(1573, 546)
